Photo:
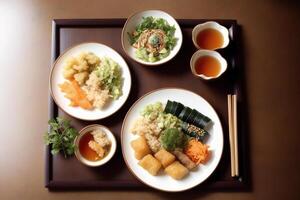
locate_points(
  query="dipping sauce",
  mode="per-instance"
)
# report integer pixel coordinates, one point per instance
(208, 66)
(85, 150)
(210, 39)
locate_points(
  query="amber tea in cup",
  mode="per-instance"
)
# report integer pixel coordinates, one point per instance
(207, 64)
(210, 39)
(210, 36)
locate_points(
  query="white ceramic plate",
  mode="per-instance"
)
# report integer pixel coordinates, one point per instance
(215, 140)
(56, 77)
(135, 20)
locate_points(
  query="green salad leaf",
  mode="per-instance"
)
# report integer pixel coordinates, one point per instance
(155, 23)
(110, 74)
(149, 23)
(61, 136)
(172, 138)
(164, 121)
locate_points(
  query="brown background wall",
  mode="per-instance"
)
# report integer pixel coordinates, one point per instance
(271, 30)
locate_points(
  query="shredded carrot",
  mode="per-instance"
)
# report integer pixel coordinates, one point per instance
(76, 95)
(196, 151)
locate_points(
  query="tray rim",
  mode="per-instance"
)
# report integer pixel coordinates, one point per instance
(242, 183)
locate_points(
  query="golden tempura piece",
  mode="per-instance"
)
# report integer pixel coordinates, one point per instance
(97, 148)
(165, 157)
(140, 147)
(75, 94)
(176, 170)
(150, 164)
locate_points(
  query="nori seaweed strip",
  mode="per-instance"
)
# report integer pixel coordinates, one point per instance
(193, 131)
(201, 120)
(168, 106)
(185, 113)
(179, 108)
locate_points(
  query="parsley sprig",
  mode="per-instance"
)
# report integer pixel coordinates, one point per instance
(61, 136)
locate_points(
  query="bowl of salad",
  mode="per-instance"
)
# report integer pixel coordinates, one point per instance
(151, 37)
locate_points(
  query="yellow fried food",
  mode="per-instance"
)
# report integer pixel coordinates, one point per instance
(79, 67)
(97, 148)
(140, 147)
(150, 164)
(76, 95)
(176, 170)
(164, 157)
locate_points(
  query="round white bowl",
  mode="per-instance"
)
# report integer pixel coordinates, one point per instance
(111, 152)
(136, 19)
(213, 25)
(216, 55)
(56, 77)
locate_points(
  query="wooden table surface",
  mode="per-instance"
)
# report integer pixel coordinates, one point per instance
(271, 30)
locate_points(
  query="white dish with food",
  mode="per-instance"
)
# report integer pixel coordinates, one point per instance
(159, 165)
(151, 37)
(95, 145)
(90, 81)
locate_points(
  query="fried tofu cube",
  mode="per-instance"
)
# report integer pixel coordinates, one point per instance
(140, 147)
(176, 170)
(150, 164)
(164, 157)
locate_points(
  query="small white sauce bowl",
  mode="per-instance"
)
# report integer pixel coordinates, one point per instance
(111, 152)
(216, 55)
(213, 25)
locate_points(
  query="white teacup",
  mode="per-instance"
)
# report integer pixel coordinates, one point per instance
(211, 25)
(201, 53)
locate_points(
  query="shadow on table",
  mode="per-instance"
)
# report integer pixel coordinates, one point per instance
(286, 2)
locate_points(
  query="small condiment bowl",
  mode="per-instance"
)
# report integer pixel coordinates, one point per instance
(201, 53)
(104, 160)
(211, 25)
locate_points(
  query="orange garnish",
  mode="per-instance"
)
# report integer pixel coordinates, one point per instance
(76, 95)
(196, 151)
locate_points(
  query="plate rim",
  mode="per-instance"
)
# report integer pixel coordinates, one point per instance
(149, 64)
(53, 65)
(122, 132)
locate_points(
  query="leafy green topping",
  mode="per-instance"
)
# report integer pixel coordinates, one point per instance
(61, 136)
(149, 23)
(164, 121)
(110, 74)
(155, 23)
(172, 138)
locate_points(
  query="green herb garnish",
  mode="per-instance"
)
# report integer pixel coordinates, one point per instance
(164, 121)
(155, 23)
(61, 136)
(172, 138)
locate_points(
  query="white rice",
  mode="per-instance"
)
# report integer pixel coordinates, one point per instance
(95, 94)
(100, 137)
(150, 130)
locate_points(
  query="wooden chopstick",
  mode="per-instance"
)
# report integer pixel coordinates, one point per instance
(231, 136)
(235, 135)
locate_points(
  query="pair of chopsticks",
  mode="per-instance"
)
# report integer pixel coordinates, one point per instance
(233, 138)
